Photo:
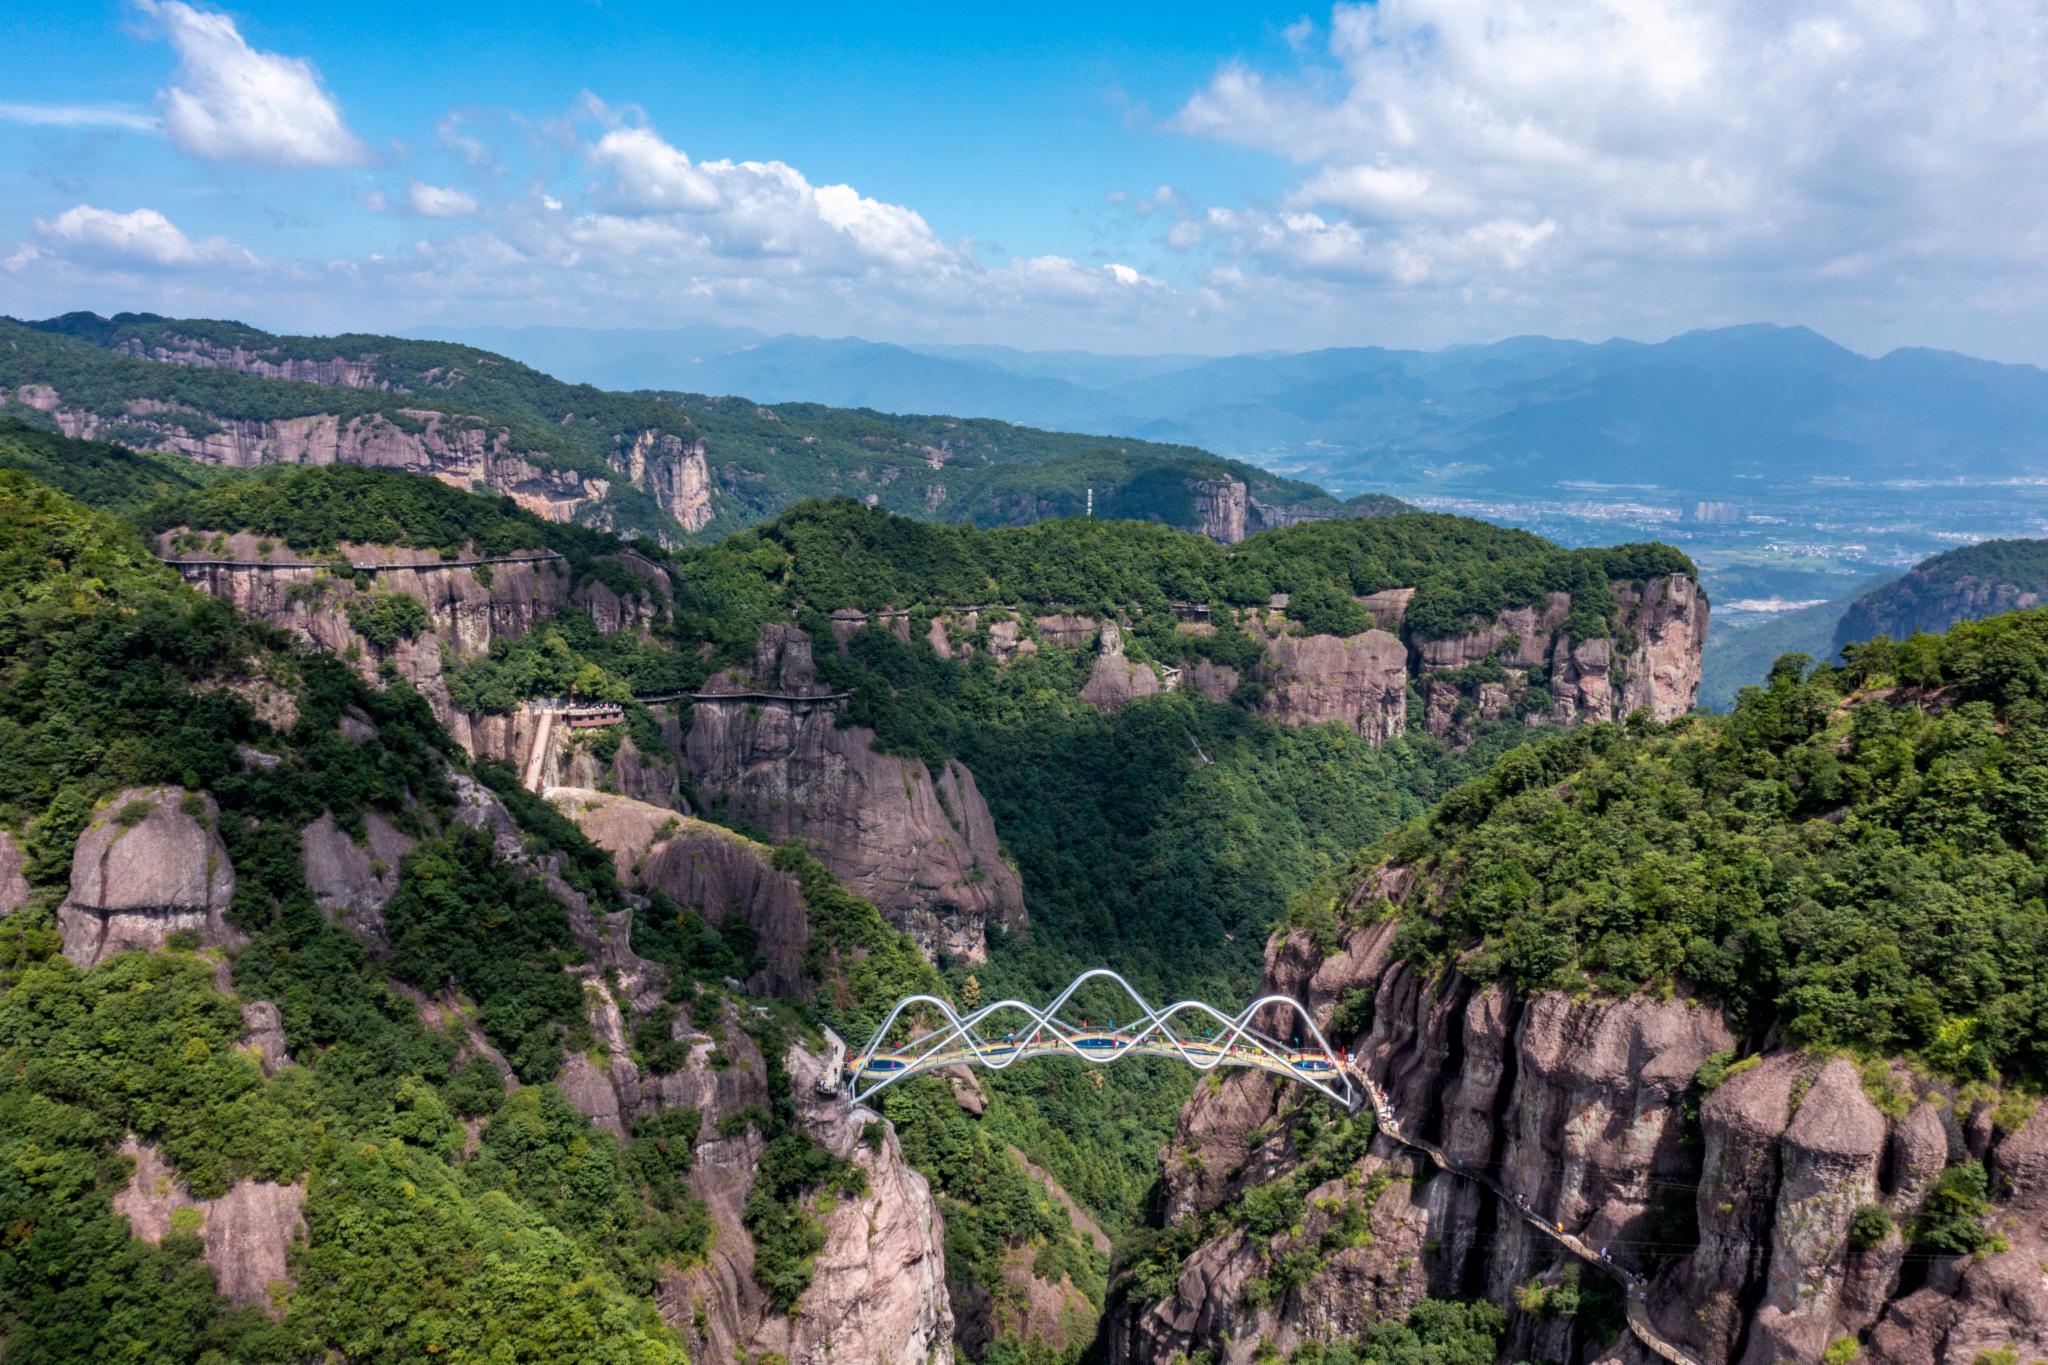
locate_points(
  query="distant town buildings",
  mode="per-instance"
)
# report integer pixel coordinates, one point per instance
(1714, 514)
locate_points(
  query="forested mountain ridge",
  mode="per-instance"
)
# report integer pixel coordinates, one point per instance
(663, 464)
(1964, 584)
(323, 1012)
(1755, 1003)
(1036, 768)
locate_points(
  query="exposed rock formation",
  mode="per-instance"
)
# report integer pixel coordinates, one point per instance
(1117, 681)
(1657, 667)
(705, 868)
(335, 371)
(1521, 664)
(878, 1288)
(149, 865)
(1359, 680)
(14, 888)
(353, 881)
(674, 471)
(923, 848)
(248, 1232)
(1964, 584)
(1222, 508)
(462, 451)
(1577, 1108)
(469, 608)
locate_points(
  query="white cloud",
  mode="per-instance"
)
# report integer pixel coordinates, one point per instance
(1604, 161)
(230, 102)
(646, 175)
(750, 211)
(143, 237)
(80, 116)
(434, 201)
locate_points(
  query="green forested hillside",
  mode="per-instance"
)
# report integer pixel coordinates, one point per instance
(764, 459)
(1854, 857)
(115, 676)
(532, 1237)
(97, 474)
(829, 555)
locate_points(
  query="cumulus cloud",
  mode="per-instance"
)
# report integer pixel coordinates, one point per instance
(750, 211)
(435, 201)
(229, 102)
(646, 175)
(142, 238)
(1704, 155)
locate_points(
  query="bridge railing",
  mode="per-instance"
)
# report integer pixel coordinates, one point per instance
(1233, 1041)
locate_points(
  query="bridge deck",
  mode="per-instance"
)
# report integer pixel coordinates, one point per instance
(1095, 1047)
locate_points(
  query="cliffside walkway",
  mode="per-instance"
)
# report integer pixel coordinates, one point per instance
(1224, 1040)
(1634, 1292)
(573, 706)
(420, 566)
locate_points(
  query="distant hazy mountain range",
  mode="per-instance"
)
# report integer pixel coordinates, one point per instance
(1706, 410)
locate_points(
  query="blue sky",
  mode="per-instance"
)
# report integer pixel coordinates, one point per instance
(1119, 177)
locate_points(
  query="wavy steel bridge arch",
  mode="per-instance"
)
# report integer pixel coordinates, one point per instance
(1235, 1042)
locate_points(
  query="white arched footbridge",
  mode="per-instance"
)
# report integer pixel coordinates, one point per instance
(1196, 1033)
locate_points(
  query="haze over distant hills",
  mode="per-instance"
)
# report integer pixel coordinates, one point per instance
(1706, 410)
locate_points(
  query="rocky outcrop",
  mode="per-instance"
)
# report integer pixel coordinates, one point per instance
(1222, 509)
(706, 868)
(459, 450)
(150, 864)
(1577, 1108)
(922, 846)
(1360, 681)
(1652, 664)
(341, 372)
(353, 879)
(878, 1286)
(1966, 584)
(14, 887)
(469, 608)
(1117, 680)
(674, 471)
(247, 1233)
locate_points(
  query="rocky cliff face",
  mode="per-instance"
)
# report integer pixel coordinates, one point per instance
(1523, 664)
(353, 880)
(921, 847)
(337, 371)
(14, 888)
(878, 1289)
(150, 864)
(1578, 1108)
(1359, 680)
(248, 1232)
(1222, 509)
(1116, 681)
(705, 868)
(465, 452)
(1933, 597)
(1653, 663)
(675, 472)
(469, 608)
